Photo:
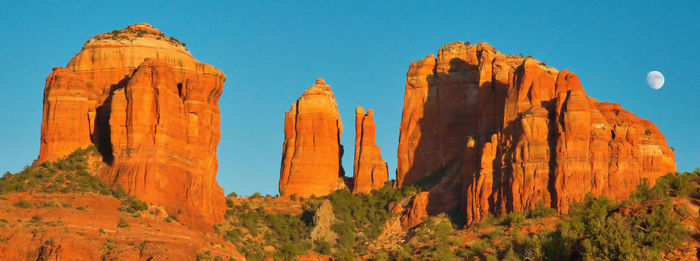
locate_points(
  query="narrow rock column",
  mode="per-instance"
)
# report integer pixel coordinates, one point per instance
(370, 170)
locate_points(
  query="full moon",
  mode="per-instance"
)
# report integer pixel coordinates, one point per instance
(655, 80)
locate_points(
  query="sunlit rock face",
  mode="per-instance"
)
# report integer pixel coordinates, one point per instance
(369, 170)
(152, 110)
(521, 132)
(311, 151)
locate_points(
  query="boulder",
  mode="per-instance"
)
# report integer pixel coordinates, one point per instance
(416, 211)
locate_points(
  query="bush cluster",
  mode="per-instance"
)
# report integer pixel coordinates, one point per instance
(67, 175)
(289, 234)
(360, 218)
(595, 230)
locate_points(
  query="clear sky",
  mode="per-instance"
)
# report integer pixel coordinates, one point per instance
(272, 50)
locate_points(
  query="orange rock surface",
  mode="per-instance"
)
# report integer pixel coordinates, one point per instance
(152, 110)
(312, 151)
(370, 171)
(416, 211)
(59, 230)
(521, 131)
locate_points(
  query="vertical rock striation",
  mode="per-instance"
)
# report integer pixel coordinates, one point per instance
(152, 110)
(370, 171)
(311, 151)
(521, 132)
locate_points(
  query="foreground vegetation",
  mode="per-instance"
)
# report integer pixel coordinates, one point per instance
(359, 220)
(68, 175)
(595, 229)
(642, 227)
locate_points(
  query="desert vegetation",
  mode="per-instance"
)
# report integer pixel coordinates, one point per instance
(639, 228)
(124, 34)
(71, 174)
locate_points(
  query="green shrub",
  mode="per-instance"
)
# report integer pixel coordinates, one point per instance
(513, 219)
(132, 205)
(541, 210)
(322, 247)
(23, 204)
(432, 179)
(361, 218)
(593, 230)
(122, 224)
(405, 253)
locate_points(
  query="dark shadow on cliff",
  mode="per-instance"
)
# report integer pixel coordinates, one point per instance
(451, 115)
(102, 134)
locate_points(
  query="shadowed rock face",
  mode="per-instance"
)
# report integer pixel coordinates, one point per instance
(370, 171)
(521, 132)
(312, 151)
(152, 110)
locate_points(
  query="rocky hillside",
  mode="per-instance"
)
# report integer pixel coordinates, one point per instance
(151, 109)
(60, 210)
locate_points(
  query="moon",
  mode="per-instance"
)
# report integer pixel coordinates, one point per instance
(655, 80)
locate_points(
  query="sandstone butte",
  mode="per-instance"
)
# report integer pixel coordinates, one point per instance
(511, 132)
(151, 109)
(369, 170)
(311, 151)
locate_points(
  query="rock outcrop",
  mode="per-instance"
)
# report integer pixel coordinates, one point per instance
(521, 131)
(370, 171)
(417, 210)
(311, 151)
(152, 110)
(323, 223)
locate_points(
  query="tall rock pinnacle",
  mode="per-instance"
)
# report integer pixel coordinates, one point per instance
(312, 152)
(370, 171)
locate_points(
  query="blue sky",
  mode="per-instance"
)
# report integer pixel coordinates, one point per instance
(272, 50)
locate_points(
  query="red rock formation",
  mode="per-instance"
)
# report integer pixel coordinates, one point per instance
(156, 121)
(417, 210)
(65, 125)
(370, 171)
(312, 151)
(521, 131)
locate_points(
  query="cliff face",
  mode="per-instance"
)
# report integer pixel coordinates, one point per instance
(521, 132)
(370, 171)
(312, 151)
(152, 110)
